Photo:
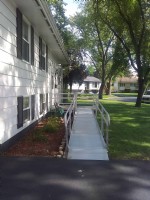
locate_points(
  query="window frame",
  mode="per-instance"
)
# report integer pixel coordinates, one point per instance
(21, 41)
(95, 84)
(22, 108)
(24, 20)
(25, 109)
(43, 56)
(42, 103)
(121, 84)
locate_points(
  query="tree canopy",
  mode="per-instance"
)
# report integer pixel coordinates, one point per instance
(130, 22)
(74, 71)
(115, 35)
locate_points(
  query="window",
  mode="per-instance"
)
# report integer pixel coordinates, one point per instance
(122, 84)
(23, 110)
(52, 82)
(47, 101)
(95, 84)
(133, 84)
(25, 38)
(26, 109)
(25, 41)
(42, 103)
(32, 106)
(20, 112)
(43, 55)
(56, 80)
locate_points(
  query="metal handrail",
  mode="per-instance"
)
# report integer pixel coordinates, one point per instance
(68, 120)
(69, 115)
(105, 119)
(62, 98)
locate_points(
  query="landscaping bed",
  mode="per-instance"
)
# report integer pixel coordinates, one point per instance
(45, 139)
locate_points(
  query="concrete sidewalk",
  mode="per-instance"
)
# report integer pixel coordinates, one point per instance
(31, 178)
(86, 141)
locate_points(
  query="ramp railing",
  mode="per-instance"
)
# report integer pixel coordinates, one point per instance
(103, 118)
(72, 100)
(68, 120)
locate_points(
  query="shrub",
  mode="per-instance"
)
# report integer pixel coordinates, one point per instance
(38, 136)
(53, 125)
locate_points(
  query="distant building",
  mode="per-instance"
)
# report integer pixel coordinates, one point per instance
(125, 84)
(89, 85)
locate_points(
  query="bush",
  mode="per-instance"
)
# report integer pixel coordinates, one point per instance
(38, 136)
(52, 125)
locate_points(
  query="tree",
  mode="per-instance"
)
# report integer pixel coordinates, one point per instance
(119, 65)
(99, 42)
(75, 75)
(74, 70)
(129, 22)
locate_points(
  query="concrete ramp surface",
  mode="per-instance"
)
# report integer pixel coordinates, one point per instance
(86, 140)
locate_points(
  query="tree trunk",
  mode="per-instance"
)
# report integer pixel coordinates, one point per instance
(70, 86)
(100, 96)
(108, 89)
(101, 89)
(140, 91)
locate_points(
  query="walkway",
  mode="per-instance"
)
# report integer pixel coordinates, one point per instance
(86, 142)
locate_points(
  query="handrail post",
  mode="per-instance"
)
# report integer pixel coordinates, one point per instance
(107, 135)
(69, 123)
(96, 107)
(102, 121)
(66, 136)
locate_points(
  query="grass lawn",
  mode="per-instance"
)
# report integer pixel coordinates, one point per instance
(85, 99)
(125, 94)
(129, 132)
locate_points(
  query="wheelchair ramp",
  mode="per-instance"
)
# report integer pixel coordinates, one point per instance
(86, 141)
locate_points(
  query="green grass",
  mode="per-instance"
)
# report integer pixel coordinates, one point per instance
(129, 132)
(125, 94)
(85, 99)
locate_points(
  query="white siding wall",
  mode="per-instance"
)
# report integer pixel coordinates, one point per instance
(18, 78)
(75, 86)
(92, 86)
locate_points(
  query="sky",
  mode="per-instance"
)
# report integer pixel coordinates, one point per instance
(71, 7)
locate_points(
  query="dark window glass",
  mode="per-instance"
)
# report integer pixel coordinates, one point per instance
(43, 62)
(26, 115)
(25, 31)
(42, 103)
(26, 109)
(25, 42)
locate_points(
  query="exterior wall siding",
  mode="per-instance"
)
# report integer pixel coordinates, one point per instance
(17, 77)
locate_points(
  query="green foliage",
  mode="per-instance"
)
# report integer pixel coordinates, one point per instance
(52, 125)
(71, 42)
(77, 75)
(120, 62)
(91, 70)
(129, 21)
(101, 45)
(38, 136)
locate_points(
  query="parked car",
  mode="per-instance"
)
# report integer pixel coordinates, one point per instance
(146, 97)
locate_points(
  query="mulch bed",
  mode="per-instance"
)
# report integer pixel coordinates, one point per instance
(52, 145)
